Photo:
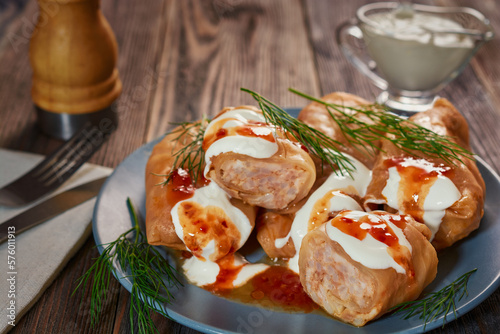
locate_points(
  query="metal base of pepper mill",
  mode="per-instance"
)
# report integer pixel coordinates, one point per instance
(64, 126)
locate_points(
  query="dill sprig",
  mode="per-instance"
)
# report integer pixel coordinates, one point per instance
(317, 143)
(436, 303)
(404, 134)
(191, 156)
(151, 276)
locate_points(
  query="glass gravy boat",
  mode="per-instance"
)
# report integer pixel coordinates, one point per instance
(412, 51)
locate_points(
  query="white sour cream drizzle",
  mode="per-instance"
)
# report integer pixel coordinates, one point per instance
(358, 183)
(252, 146)
(213, 195)
(440, 196)
(369, 252)
(203, 273)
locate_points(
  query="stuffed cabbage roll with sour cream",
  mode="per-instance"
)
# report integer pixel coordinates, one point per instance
(201, 218)
(317, 116)
(340, 191)
(254, 161)
(448, 198)
(358, 265)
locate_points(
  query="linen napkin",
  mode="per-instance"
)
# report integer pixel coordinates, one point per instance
(43, 251)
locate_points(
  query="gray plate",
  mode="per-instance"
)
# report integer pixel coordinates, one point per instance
(199, 309)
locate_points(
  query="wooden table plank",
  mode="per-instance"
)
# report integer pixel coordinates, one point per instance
(335, 73)
(138, 30)
(260, 45)
(17, 114)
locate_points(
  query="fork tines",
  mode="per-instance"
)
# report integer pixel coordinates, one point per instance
(55, 169)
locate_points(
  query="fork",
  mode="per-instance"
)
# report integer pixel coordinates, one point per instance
(55, 169)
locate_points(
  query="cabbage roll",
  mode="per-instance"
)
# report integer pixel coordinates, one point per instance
(338, 192)
(199, 217)
(317, 116)
(448, 198)
(358, 265)
(272, 226)
(256, 162)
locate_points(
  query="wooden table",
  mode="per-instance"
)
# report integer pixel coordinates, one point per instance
(181, 59)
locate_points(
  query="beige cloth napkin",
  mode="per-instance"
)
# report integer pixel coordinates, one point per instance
(41, 252)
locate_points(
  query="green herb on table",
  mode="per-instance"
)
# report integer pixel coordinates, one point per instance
(150, 273)
(406, 135)
(436, 303)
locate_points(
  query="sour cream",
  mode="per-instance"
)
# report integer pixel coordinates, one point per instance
(421, 189)
(416, 51)
(243, 131)
(203, 273)
(374, 240)
(209, 225)
(333, 195)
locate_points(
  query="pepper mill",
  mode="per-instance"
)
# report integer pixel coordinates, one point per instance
(73, 53)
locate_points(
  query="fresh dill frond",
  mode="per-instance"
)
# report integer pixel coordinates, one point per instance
(404, 134)
(151, 275)
(191, 156)
(436, 303)
(317, 143)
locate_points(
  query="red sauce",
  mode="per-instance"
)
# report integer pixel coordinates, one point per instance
(358, 229)
(180, 187)
(201, 225)
(420, 170)
(321, 210)
(380, 230)
(221, 133)
(247, 130)
(227, 274)
(277, 287)
(282, 286)
(417, 176)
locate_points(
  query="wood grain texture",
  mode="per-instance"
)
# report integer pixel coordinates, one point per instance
(179, 59)
(213, 50)
(335, 72)
(137, 27)
(72, 312)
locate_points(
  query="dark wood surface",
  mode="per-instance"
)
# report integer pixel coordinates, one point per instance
(181, 59)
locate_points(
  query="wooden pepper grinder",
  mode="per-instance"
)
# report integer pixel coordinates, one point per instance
(73, 53)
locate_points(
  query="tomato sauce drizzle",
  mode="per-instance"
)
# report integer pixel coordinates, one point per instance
(277, 287)
(380, 230)
(251, 128)
(417, 176)
(180, 187)
(201, 225)
(418, 170)
(282, 287)
(227, 274)
(321, 212)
